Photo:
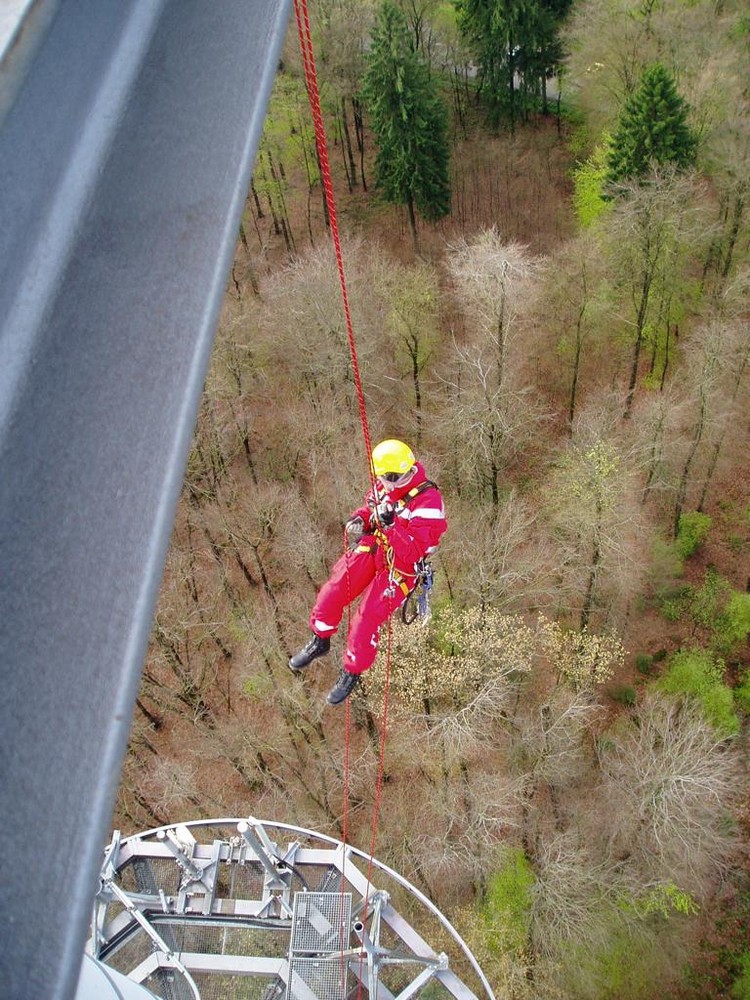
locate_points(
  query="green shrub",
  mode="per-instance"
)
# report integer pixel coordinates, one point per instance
(691, 531)
(665, 563)
(257, 687)
(698, 674)
(673, 608)
(742, 693)
(624, 694)
(663, 899)
(673, 600)
(733, 625)
(707, 601)
(691, 671)
(644, 664)
(718, 704)
(741, 985)
(628, 963)
(736, 543)
(588, 186)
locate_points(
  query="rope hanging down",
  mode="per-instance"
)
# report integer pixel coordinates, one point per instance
(311, 81)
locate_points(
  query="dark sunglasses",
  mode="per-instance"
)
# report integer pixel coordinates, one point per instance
(391, 477)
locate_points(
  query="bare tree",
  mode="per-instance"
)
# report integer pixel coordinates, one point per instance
(496, 410)
(737, 367)
(411, 322)
(571, 892)
(674, 780)
(651, 234)
(344, 26)
(591, 500)
(492, 281)
(572, 306)
(655, 419)
(704, 376)
(609, 48)
(506, 550)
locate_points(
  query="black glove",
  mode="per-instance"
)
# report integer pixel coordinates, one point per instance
(385, 512)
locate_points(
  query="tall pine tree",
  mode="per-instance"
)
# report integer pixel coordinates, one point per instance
(517, 46)
(409, 120)
(652, 129)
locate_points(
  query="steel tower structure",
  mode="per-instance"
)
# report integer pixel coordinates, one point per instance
(217, 909)
(128, 131)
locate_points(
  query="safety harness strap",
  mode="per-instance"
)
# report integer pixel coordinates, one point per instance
(395, 577)
(424, 485)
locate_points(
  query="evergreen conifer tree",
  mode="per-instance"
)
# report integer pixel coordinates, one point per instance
(516, 44)
(652, 128)
(409, 120)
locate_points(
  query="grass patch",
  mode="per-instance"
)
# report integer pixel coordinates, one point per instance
(507, 906)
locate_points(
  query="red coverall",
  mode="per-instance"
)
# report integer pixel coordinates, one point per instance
(415, 533)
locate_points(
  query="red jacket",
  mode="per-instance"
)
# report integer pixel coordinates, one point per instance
(417, 526)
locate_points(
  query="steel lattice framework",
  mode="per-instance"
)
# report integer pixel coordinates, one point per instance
(216, 908)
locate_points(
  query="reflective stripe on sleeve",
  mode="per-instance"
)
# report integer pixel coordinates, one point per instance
(428, 513)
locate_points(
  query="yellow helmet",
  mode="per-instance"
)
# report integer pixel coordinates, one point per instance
(392, 456)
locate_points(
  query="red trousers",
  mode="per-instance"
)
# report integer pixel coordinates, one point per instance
(357, 572)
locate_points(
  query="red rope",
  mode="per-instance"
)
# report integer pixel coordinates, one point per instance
(311, 81)
(381, 759)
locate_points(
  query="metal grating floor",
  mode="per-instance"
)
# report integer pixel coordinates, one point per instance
(317, 979)
(321, 922)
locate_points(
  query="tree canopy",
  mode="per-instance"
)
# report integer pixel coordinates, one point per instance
(652, 129)
(516, 45)
(409, 120)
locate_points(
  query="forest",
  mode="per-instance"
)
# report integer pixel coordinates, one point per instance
(546, 241)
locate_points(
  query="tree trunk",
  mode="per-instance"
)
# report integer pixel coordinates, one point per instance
(345, 162)
(412, 346)
(720, 440)
(576, 365)
(154, 720)
(656, 452)
(285, 224)
(322, 190)
(359, 131)
(682, 490)
(667, 345)
(639, 327)
(412, 223)
(256, 199)
(348, 143)
(596, 558)
(734, 231)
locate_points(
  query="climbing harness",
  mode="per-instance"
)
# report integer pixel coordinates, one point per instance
(417, 603)
(413, 606)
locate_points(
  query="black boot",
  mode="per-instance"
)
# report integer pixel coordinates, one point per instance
(316, 647)
(343, 687)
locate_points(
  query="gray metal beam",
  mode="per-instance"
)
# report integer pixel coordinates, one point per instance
(126, 146)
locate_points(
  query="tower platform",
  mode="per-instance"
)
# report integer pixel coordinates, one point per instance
(222, 909)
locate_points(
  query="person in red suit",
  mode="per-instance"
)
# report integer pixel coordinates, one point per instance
(399, 525)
